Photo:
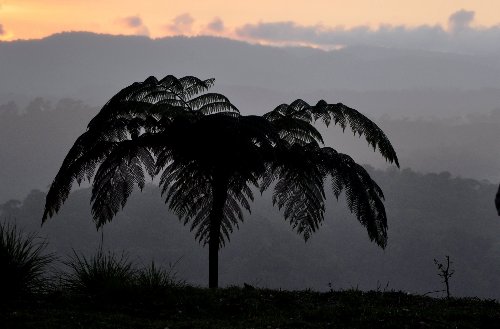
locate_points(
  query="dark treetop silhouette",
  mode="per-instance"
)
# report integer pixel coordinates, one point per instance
(208, 156)
(497, 200)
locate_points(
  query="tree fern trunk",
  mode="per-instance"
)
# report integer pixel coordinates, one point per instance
(213, 260)
(219, 199)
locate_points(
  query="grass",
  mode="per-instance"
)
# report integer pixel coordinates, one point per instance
(234, 307)
(154, 280)
(23, 262)
(106, 290)
(103, 275)
(112, 277)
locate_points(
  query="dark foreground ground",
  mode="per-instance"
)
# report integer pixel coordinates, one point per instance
(189, 307)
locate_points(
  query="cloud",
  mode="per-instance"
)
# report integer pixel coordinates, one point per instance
(460, 36)
(386, 35)
(2, 31)
(135, 23)
(460, 20)
(216, 25)
(181, 24)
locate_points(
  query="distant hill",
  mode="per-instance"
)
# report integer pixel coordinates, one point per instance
(429, 216)
(93, 67)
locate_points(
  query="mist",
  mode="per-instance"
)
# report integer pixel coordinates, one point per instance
(440, 108)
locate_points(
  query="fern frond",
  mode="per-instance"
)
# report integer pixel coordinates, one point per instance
(202, 100)
(193, 86)
(116, 177)
(299, 190)
(80, 163)
(360, 125)
(364, 197)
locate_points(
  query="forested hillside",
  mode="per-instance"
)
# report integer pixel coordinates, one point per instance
(34, 138)
(430, 216)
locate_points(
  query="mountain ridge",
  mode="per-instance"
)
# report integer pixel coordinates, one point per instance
(94, 66)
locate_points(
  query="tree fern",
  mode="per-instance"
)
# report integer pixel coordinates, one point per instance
(209, 157)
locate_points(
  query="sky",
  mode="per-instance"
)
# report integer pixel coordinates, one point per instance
(317, 23)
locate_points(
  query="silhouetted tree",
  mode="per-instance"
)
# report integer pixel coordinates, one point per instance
(208, 156)
(497, 200)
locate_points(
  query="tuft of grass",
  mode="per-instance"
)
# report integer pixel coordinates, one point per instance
(104, 274)
(22, 262)
(113, 277)
(156, 279)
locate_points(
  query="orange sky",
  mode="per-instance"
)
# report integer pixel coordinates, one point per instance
(26, 19)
